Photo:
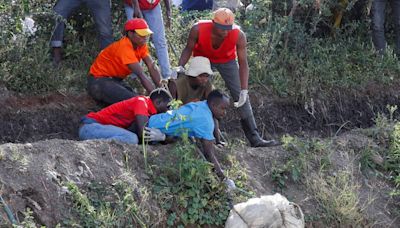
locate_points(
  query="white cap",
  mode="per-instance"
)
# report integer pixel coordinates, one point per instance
(199, 65)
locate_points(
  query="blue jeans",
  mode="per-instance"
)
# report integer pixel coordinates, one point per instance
(378, 24)
(101, 13)
(93, 130)
(155, 21)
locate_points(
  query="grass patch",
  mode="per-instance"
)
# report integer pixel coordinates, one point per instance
(338, 197)
(105, 206)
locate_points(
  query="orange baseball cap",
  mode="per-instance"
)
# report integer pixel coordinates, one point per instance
(139, 25)
(224, 18)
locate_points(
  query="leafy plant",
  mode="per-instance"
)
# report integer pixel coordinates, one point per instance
(393, 158)
(93, 210)
(296, 166)
(189, 190)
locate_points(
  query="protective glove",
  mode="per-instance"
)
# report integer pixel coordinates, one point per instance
(153, 134)
(230, 185)
(180, 69)
(164, 84)
(242, 98)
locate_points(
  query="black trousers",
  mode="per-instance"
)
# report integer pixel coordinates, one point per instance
(109, 90)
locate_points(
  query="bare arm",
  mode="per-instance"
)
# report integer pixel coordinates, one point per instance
(137, 13)
(191, 42)
(208, 151)
(138, 70)
(141, 121)
(217, 133)
(153, 70)
(172, 88)
(168, 12)
(242, 59)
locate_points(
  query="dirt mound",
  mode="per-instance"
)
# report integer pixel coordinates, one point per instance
(35, 175)
(343, 155)
(323, 116)
(34, 118)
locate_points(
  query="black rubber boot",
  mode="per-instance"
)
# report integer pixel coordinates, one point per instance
(250, 130)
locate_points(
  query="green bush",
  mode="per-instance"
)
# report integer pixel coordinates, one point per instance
(93, 210)
(301, 60)
(189, 190)
(393, 159)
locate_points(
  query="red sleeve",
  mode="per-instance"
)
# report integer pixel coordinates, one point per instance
(141, 107)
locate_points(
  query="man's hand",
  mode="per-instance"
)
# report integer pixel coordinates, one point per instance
(242, 98)
(230, 185)
(164, 84)
(179, 69)
(153, 134)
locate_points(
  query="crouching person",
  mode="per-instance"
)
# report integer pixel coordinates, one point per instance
(124, 121)
(196, 120)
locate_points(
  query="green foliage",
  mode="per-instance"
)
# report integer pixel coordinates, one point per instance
(393, 158)
(301, 60)
(26, 63)
(366, 160)
(94, 210)
(29, 220)
(189, 190)
(297, 165)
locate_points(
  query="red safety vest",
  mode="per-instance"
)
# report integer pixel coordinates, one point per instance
(225, 53)
(145, 4)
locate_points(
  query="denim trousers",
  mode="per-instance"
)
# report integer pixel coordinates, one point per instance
(378, 24)
(109, 90)
(101, 13)
(155, 21)
(94, 130)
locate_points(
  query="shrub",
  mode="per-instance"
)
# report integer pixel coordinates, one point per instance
(189, 190)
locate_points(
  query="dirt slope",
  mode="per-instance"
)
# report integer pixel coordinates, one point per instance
(34, 175)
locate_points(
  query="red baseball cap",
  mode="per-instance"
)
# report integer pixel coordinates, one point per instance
(139, 25)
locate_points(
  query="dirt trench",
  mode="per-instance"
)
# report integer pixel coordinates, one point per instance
(32, 118)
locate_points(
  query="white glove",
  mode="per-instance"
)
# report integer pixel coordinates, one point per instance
(164, 84)
(153, 134)
(230, 184)
(242, 98)
(179, 69)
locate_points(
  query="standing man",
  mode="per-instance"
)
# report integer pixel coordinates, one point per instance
(120, 59)
(222, 41)
(378, 24)
(150, 10)
(101, 12)
(125, 120)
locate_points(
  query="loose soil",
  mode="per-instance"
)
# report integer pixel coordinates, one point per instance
(31, 173)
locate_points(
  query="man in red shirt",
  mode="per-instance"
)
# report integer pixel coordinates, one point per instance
(114, 121)
(221, 41)
(120, 59)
